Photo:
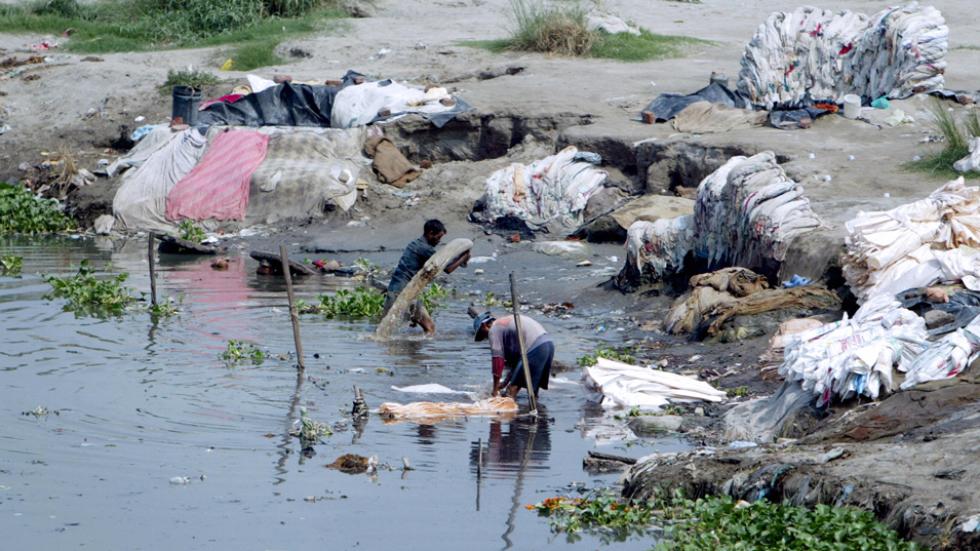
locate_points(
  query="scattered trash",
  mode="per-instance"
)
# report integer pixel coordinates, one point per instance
(796, 281)
(351, 464)
(180, 480)
(881, 103)
(742, 445)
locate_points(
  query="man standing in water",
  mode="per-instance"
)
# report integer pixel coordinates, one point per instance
(415, 256)
(505, 350)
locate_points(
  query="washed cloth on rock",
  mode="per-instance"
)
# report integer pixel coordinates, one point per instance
(811, 54)
(141, 201)
(218, 187)
(551, 191)
(747, 213)
(305, 171)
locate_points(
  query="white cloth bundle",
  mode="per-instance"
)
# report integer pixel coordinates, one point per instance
(915, 245)
(625, 386)
(555, 189)
(813, 54)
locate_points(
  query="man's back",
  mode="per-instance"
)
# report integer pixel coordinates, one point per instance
(415, 256)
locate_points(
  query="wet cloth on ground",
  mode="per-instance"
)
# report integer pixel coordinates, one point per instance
(362, 104)
(626, 386)
(218, 187)
(433, 411)
(141, 201)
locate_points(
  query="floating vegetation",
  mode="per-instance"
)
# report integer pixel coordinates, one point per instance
(189, 231)
(88, 295)
(238, 351)
(22, 212)
(11, 265)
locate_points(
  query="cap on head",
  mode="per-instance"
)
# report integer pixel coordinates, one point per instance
(478, 332)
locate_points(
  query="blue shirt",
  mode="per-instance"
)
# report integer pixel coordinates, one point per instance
(416, 254)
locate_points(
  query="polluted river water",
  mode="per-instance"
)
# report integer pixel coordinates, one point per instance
(151, 441)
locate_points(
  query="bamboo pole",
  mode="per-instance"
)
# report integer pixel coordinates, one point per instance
(523, 346)
(153, 270)
(284, 256)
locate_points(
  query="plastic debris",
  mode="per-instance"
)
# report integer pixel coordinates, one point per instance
(796, 281)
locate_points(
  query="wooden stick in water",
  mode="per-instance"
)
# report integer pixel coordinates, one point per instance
(523, 346)
(153, 271)
(292, 305)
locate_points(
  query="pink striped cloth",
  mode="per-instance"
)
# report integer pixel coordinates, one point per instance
(217, 188)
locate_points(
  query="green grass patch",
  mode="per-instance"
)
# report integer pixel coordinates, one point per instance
(22, 212)
(88, 295)
(645, 47)
(562, 29)
(956, 138)
(254, 27)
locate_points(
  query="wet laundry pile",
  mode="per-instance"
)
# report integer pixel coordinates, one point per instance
(623, 385)
(747, 213)
(719, 296)
(810, 54)
(916, 245)
(549, 193)
(884, 347)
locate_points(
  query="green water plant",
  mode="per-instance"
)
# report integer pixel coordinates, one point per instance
(23, 212)
(189, 231)
(620, 354)
(310, 431)
(714, 523)
(359, 303)
(11, 265)
(89, 295)
(237, 351)
(164, 309)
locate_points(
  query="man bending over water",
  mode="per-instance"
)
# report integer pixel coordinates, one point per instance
(416, 254)
(506, 351)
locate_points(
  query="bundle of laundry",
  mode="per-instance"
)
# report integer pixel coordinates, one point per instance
(915, 245)
(362, 104)
(553, 191)
(884, 347)
(747, 213)
(627, 386)
(719, 296)
(810, 54)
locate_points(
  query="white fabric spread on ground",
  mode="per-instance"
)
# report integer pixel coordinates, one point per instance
(555, 189)
(147, 146)
(815, 54)
(915, 245)
(358, 105)
(141, 201)
(625, 386)
(747, 213)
